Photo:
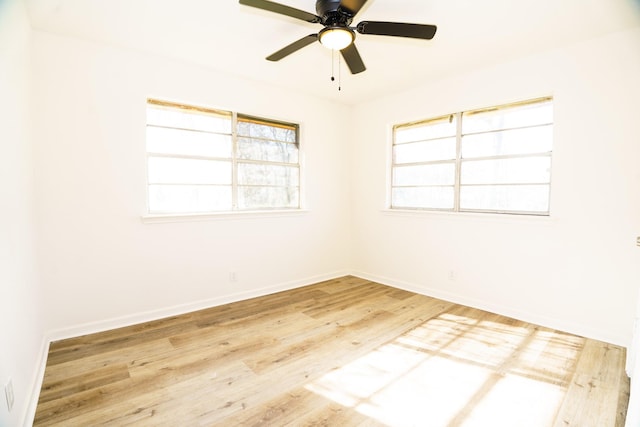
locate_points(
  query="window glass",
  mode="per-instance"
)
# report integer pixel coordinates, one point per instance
(429, 129)
(424, 151)
(430, 174)
(162, 140)
(179, 118)
(423, 197)
(511, 198)
(268, 151)
(189, 198)
(519, 170)
(167, 170)
(266, 174)
(267, 197)
(495, 159)
(531, 140)
(508, 117)
(202, 160)
(274, 132)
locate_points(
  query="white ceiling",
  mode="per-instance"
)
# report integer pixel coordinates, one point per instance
(228, 37)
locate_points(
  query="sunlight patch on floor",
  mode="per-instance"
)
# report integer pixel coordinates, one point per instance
(517, 401)
(456, 371)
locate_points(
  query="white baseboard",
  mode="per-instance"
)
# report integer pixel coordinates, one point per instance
(535, 318)
(119, 322)
(36, 384)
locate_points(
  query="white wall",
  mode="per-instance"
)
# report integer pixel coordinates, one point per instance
(577, 270)
(101, 265)
(21, 334)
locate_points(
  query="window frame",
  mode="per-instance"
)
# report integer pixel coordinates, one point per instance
(234, 160)
(460, 160)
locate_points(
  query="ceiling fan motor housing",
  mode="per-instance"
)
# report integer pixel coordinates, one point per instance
(332, 14)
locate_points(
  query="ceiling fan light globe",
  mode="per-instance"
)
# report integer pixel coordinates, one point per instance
(336, 38)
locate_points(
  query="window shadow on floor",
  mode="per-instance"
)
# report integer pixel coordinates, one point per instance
(455, 370)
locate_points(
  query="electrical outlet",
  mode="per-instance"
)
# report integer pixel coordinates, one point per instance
(452, 275)
(8, 392)
(233, 277)
(638, 240)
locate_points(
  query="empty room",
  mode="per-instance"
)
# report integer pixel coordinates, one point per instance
(332, 212)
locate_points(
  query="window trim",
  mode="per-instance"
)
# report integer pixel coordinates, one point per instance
(221, 215)
(459, 161)
(162, 217)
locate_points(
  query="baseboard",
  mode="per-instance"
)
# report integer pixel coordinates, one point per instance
(535, 318)
(119, 322)
(36, 384)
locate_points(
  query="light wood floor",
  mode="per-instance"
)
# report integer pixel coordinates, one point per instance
(346, 352)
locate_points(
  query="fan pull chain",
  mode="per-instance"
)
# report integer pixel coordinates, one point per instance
(332, 61)
(339, 73)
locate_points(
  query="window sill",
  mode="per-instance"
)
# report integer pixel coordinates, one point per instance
(213, 216)
(489, 216)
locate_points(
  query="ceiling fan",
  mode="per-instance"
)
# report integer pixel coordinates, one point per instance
(336, 17)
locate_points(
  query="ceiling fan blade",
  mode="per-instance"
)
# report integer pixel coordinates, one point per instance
(352, 58)
(282, 9)
(293, 47)
(352, 6)
(397, 29)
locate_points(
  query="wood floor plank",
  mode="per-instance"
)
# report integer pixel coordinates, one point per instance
(347, 352)
(183, 399)
(341, 284)
(97, 361)
(87, 381)
(339, 301)
(285, 409)
(597, 383)
(296, 300)
(332, 414)
(623, 399)
(128, 331)
(119, 342)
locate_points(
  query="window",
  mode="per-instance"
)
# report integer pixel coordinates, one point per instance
(202, 160)
(490, 160)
